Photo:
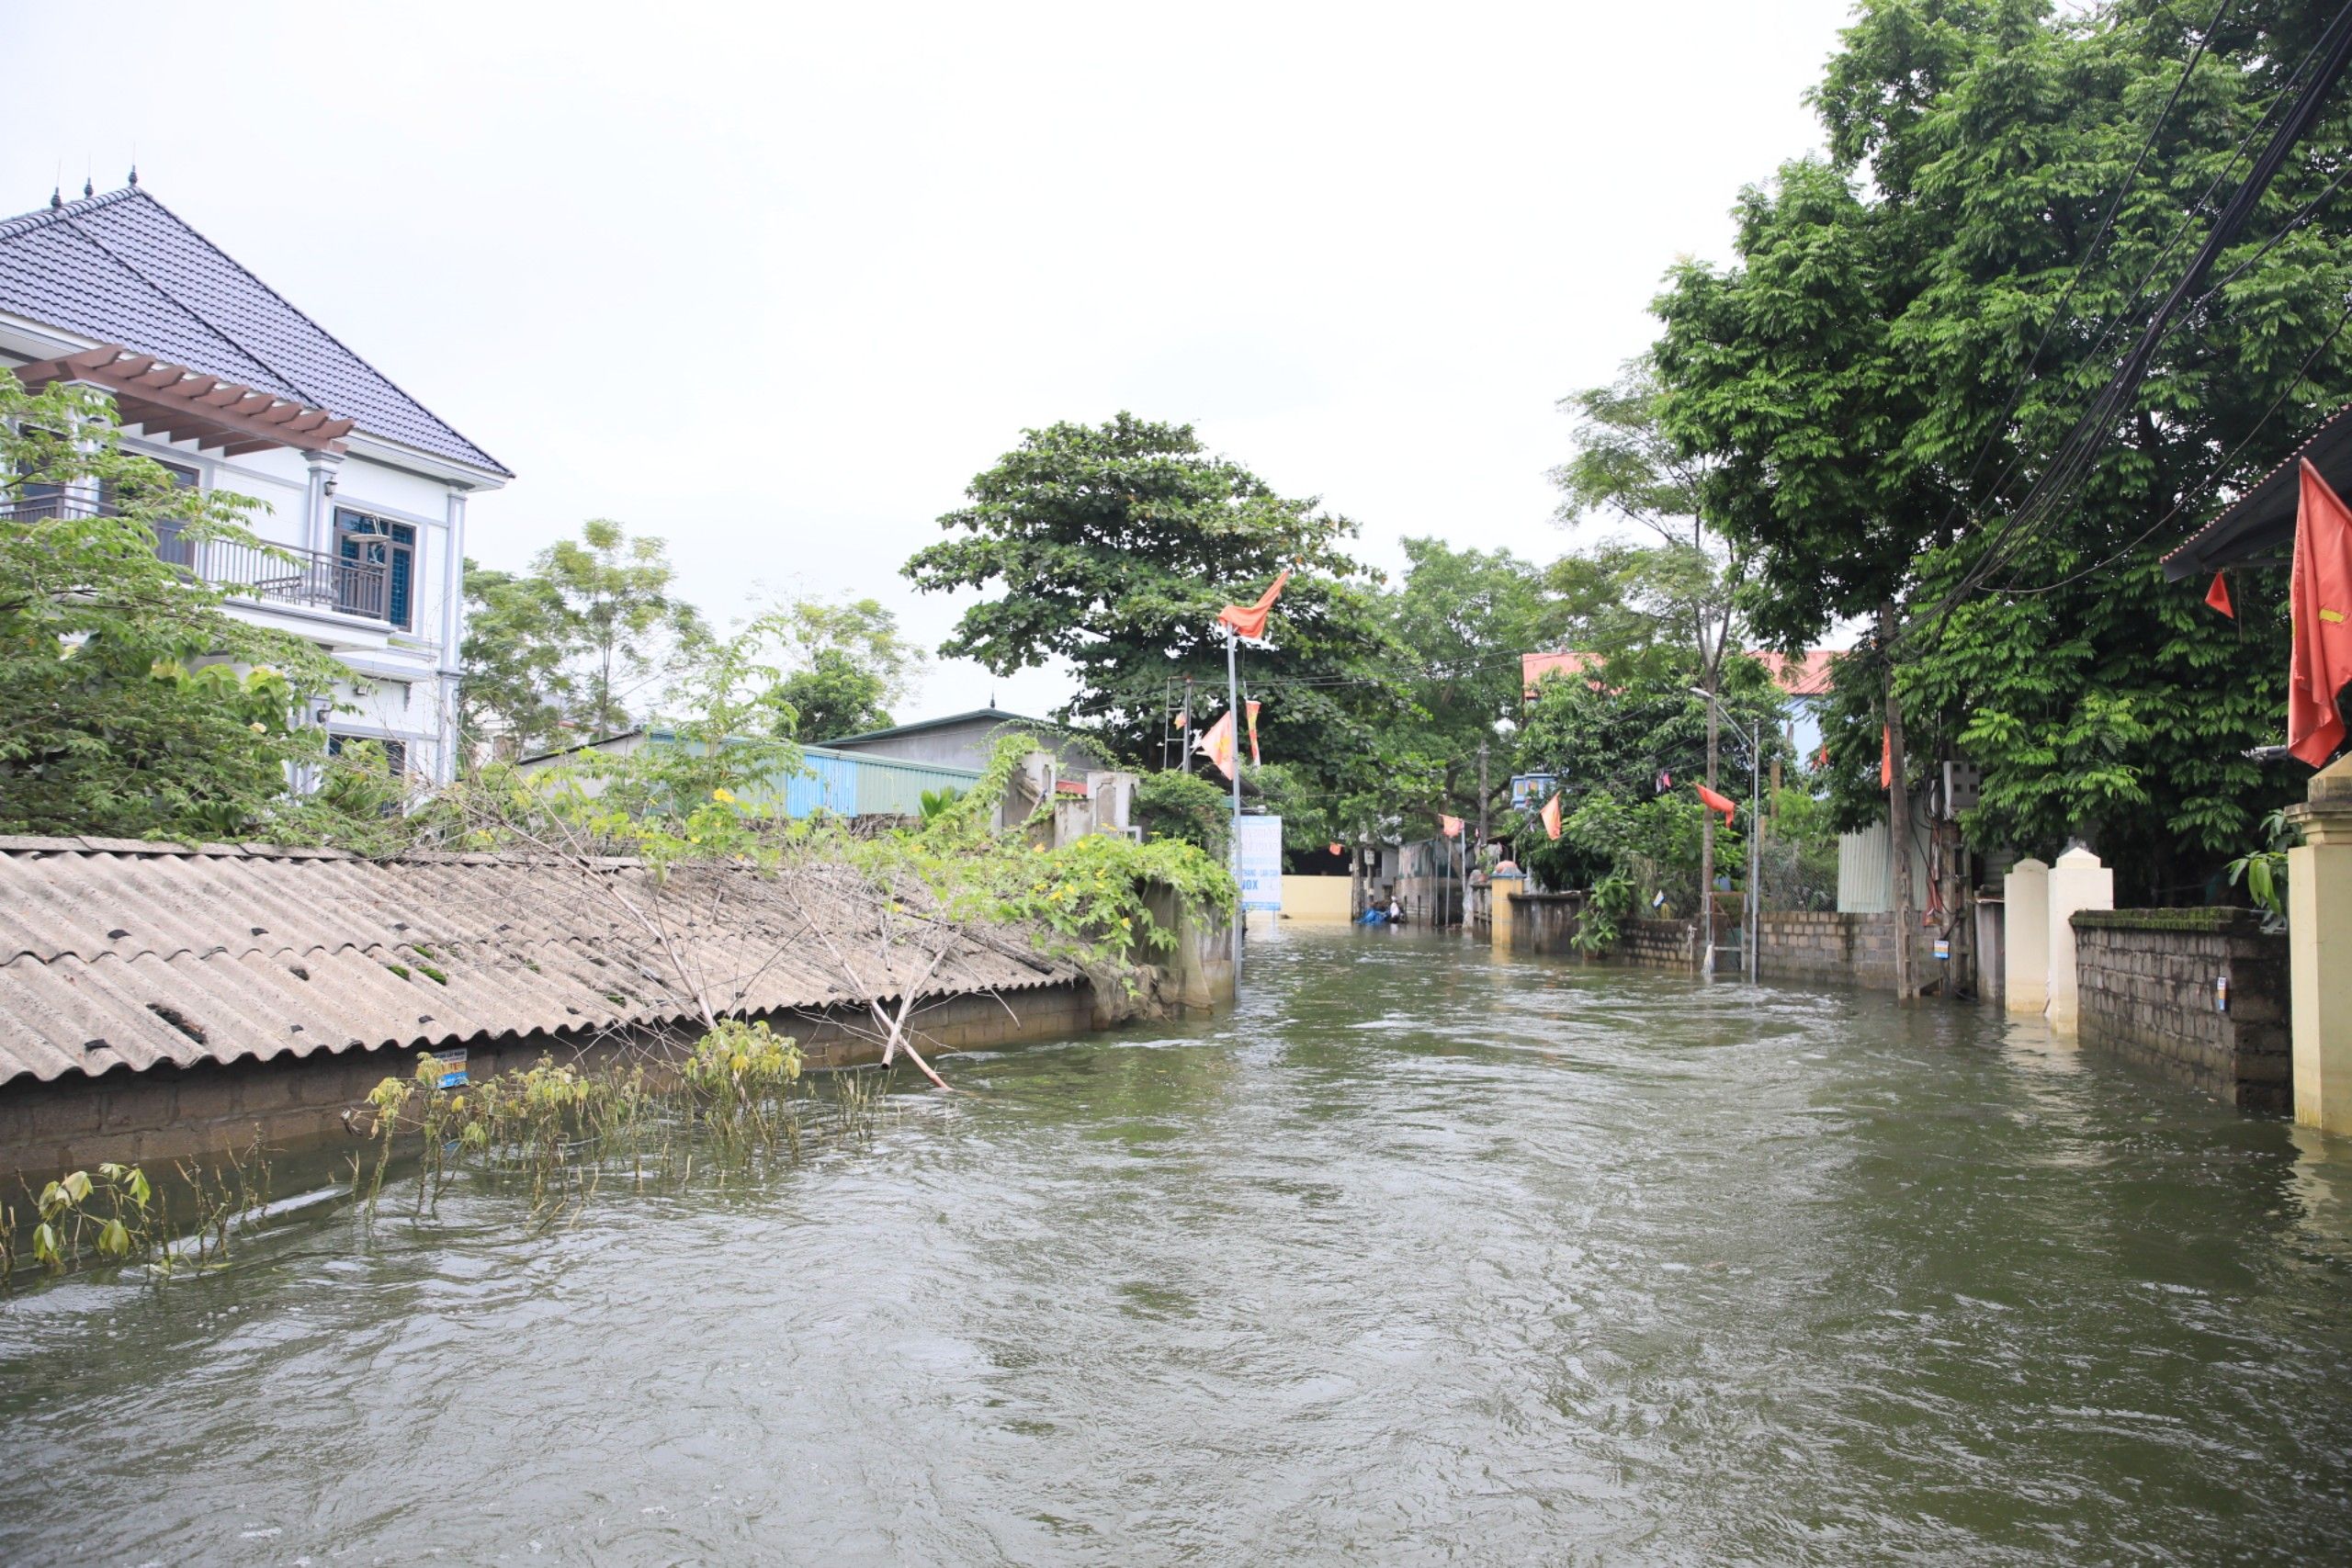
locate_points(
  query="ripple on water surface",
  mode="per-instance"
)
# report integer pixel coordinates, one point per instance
(1419, 1255)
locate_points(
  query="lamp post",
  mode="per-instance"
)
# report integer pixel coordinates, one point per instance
(1754, 901)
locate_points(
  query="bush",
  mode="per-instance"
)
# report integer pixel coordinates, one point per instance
(1186, 808)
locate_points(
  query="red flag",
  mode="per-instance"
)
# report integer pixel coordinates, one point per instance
(1552, 817)
(1886, 758)
(1338, 848)
(1253, 733)
(1715, 802)
(2218, 597)
(1822, 761)
(1450, 826)
(1250, 620)
(1217, 744)
(2319, 600)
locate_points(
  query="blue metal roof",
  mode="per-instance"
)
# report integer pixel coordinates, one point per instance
(124, 268)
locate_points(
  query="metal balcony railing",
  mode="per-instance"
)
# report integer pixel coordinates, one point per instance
(285, 574)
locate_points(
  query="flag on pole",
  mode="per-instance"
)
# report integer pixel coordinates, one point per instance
(1822, 761)
(2218, 597)
(1253, 734)
(1250, 620)
(1338, 848)
(2319, 601)
(1715, 802)
(1450, 826)
(1886, 758)
(1665, 781)
(1215, 743)
(1552, 817)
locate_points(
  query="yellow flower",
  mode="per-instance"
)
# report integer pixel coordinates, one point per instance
(726, 796)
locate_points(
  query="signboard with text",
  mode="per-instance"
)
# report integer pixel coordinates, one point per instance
(1259, 841)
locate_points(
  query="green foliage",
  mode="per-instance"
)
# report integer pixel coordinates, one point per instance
(131, 706)
(2264, 870)
(935, 803)
(1113, 547)
(1848, 370)
(1615, 896)
(849, 663)
(1187, 807)
(582, 642)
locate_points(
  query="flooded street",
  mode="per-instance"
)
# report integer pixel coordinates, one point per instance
(1420, 1255)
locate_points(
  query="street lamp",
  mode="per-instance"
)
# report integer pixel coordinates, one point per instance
(1755, 738)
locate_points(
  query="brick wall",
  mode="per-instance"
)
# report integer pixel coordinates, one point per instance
(2146, 983)
(1658, 944)
(1833, 949)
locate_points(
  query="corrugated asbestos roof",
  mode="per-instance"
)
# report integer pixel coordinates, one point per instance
(120, 953)
(124, 268)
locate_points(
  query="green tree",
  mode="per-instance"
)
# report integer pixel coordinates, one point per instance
(849, 666)
(1911, 330)
(131, 704)
(581, 644)
(1629, 467)
(1113, 547)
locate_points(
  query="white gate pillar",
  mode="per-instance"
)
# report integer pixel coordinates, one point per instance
(2024, 937)
(2076, 881)
(2319, 950)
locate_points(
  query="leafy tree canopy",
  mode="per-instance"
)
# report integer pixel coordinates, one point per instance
(131, 704)
(1113, 547)
(1911, 329)
(849, 665)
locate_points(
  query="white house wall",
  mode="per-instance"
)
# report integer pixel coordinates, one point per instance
(388, 659)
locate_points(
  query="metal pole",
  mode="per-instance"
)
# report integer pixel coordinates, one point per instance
(1754, 853)
(1233, 715)
(1185, 748)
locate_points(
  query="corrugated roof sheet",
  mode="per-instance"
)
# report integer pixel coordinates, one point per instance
(120, 953)
(124, 268)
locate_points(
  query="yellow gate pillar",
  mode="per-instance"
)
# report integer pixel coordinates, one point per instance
(2319, 950)
(1502, 886)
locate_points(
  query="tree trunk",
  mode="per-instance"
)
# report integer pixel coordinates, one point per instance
(1356, 882)
(1898, 823)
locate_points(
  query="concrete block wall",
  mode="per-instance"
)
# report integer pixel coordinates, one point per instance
(1828, 948)
(1658, 944)
(2144, 988)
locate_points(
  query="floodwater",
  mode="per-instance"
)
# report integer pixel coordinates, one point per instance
(1419, 1255)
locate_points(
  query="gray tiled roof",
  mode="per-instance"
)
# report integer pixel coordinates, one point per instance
(120, 953)
(122, 268)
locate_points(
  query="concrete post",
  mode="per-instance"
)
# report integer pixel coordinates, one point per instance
(2076, 881)
(2025, 902)
(2319, 950)
(1502, 886)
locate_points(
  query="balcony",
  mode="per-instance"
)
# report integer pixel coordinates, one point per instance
(283, 574)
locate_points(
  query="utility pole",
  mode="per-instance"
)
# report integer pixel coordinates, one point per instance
(1233, 716)
(1482, 798)
(1898, 815)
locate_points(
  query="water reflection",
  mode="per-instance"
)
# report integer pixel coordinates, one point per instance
(1422, 1253)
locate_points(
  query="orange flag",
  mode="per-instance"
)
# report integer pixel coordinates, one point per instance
(2320, 599)
(1253, 734)
(1552, 817)
(1450, 826)
(2218, 597)
(1250, 620)
(1886, 759)
(1217, 744)
(1715, 802)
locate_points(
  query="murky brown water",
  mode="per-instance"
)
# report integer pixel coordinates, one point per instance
(1418, 1256)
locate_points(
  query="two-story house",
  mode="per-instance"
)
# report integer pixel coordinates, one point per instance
(363, 489)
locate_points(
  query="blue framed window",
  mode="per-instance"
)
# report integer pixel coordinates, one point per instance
(372, 541)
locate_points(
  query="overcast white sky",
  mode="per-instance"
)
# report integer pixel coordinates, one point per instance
(774, 281)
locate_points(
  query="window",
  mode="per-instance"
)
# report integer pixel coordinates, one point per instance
(395, 751)
(362, 541)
